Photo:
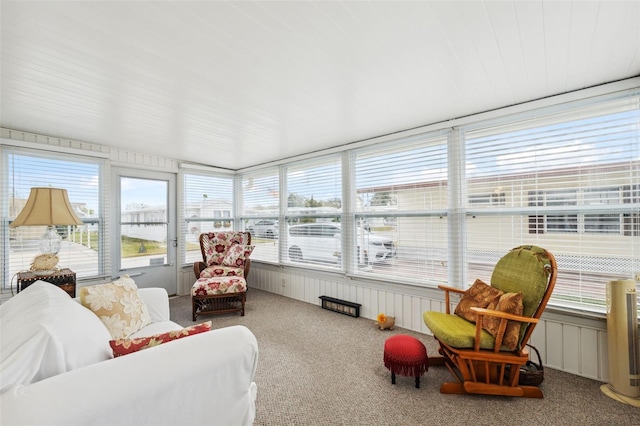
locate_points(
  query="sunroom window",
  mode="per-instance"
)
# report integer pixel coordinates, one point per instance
(313, 228)
(260, 199)
(569, 175)
(82, 246)
(400, 210)
(208, 207)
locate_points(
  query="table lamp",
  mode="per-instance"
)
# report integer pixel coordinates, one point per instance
(47, 207)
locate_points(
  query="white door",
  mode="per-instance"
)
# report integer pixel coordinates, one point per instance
(146, 244)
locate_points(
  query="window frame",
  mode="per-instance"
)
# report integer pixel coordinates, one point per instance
(405, 206)
(314, 175)
(190, 227)
(563, 183)
(267, 184)
(100, 221)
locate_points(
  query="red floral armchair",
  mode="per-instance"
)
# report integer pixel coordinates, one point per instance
(221, 284)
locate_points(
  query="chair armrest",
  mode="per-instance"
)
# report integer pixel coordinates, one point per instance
(504, 317)
(499, 314)
(207, 378)
(447, 290)
(198, 267)
(157, 301)
(247, 266)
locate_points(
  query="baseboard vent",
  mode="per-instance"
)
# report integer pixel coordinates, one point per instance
(341, 306)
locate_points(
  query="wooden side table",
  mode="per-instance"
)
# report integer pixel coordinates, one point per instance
(64, 278)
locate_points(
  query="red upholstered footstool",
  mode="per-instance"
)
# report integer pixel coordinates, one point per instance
(218, 295)
(406, 356)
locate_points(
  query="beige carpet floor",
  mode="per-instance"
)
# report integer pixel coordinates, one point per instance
(318, 367)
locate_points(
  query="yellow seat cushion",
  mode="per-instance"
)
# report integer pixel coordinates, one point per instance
(456, 331)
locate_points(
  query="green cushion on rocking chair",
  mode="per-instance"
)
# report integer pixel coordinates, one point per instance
(456, 331)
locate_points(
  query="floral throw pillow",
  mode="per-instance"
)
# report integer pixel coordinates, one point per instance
(219, 244)
(479, 295)
(510, 303)
(122, 347)
(236, 255)
(118, 306)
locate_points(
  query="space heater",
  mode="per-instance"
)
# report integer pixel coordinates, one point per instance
(624, 348)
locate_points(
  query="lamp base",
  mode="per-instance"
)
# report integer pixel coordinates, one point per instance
(44, 264)
(51, 241)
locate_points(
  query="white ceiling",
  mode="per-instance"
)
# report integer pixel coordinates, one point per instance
(235, 84)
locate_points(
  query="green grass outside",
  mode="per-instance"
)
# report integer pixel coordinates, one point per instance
(131, 247)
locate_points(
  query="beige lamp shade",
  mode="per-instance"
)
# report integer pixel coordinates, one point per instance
(47, 206)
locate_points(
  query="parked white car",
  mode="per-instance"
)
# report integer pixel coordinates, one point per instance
(265, 228)
(321, 242)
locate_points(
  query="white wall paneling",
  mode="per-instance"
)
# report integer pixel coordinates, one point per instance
(589, 359)
(116, 156)
(186, 280)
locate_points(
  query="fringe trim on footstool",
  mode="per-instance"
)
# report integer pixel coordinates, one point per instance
(405, 369)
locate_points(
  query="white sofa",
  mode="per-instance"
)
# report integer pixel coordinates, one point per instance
(57, 368)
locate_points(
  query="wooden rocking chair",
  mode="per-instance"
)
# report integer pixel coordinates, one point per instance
(488, 360)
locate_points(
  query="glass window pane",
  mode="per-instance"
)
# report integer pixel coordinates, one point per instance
(314, 204)
(602, 223)
(315, 187)
(261, 193)
(315, 241)
(208, 207)
(401, 204)
(260, 199)
(143, 222)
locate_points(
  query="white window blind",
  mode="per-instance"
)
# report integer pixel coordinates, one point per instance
(401, 204)
(82, 246)
(208, 207)
(313, 212)
(260, 199)
(567, 179)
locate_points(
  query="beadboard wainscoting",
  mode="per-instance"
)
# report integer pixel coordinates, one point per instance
(573, 343)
